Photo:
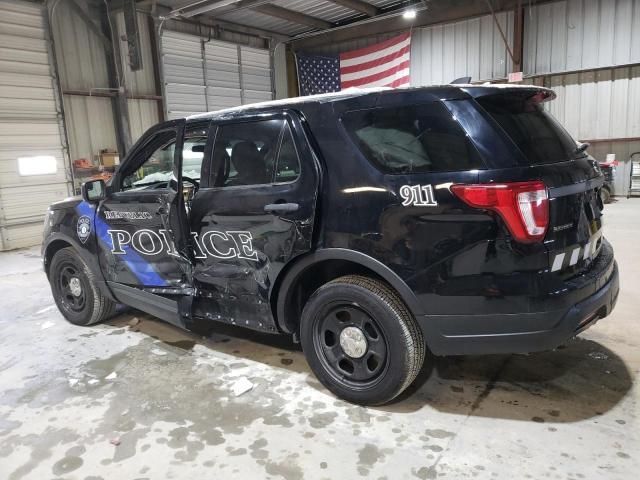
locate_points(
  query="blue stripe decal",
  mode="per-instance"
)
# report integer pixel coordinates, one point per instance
(143, 270)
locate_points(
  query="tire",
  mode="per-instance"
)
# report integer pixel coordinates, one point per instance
(605, 195)
(385, 330)
(82, 307)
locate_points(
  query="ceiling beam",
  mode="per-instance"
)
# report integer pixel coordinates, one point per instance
(358, 6)
(203, 6)
(391, 20)
(220, 8)
(205, 20)
(293, 16)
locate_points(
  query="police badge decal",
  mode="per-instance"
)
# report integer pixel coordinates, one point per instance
(84, 228)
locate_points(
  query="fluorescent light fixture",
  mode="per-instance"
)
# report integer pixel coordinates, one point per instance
(37, 165)
(409, 14)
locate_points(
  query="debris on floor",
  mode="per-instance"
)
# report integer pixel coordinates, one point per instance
(111, 376)
(241, 387)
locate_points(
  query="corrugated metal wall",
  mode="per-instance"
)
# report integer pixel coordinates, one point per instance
(441, 53)
(30, 124)
(142, 113)
(82, 66)
(474, 47)
(602, 107)
(598, 105)
(581, 34)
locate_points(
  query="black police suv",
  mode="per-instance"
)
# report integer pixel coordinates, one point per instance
(370, 225)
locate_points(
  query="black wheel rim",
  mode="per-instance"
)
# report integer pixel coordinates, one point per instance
(71, 298)
(361, 370)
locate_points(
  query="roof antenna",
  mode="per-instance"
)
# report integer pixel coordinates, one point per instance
(461, 80)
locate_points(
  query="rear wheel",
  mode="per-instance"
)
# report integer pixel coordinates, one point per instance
(605, 195)
(360, 340)
(74, 290)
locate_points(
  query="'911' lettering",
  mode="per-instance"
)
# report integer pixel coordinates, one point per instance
(418, 196)
(222, 245)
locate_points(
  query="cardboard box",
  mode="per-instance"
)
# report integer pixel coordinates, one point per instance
(109, 159)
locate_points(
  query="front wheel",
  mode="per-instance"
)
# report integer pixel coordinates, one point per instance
(360, 340)
(74, 290)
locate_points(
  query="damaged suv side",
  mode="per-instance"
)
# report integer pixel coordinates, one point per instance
(370, 225)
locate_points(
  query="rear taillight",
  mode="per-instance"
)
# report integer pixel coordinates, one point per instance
(524, 206)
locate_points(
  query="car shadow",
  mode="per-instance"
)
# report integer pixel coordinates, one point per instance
(580, 380)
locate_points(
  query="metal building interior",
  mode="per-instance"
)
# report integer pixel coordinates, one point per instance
(80, 83)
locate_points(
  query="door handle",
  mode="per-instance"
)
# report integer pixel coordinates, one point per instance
(281, 207)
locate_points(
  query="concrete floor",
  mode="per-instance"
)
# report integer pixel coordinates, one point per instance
(145, 400)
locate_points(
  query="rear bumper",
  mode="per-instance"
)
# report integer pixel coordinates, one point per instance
(521, 333)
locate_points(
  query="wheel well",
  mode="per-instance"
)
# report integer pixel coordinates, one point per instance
(307, 282)
(51, 250)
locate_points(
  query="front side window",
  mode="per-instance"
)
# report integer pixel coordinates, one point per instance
(255, 153)
(412, 139)
(157, 157)
(195, 141)
(156, 163)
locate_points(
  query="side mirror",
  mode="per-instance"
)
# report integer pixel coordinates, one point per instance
(94, 191)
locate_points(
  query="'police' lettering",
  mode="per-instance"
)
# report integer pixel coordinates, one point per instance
(222, 245)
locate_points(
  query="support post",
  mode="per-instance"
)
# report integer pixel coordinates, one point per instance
(116, 82)
(518, 38)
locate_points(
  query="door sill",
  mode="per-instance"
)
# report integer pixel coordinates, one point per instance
(156, 305)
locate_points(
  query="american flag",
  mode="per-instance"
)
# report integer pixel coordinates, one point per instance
(384, 64)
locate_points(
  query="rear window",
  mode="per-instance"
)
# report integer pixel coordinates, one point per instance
(412, 139)
(535, 132)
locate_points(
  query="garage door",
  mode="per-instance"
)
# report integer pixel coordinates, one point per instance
(32, 163)
(202, 76)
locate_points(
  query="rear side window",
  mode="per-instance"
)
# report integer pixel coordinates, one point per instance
(535, 132)
(412, 139)
(255, 153)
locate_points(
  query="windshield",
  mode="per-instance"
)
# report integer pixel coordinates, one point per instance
(534, 131)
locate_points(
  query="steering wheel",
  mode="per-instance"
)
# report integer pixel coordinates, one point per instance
(192, 181)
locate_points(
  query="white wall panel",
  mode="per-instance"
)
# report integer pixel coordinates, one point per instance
(143, 114)
(473, 47)
(280, 80)
(30, 124)
(581, 34)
